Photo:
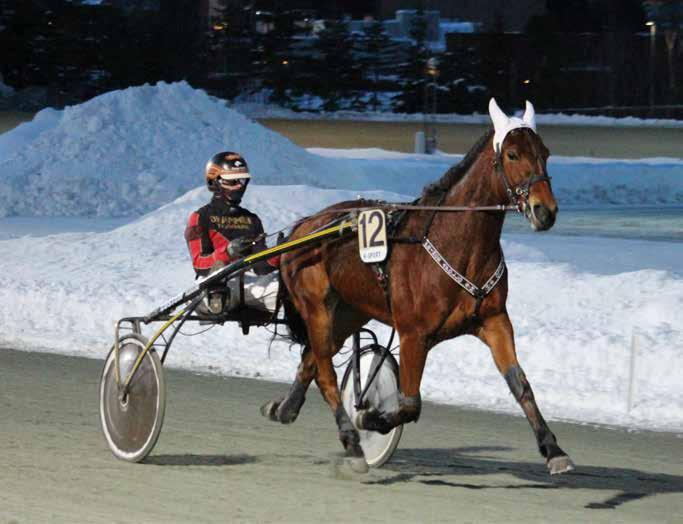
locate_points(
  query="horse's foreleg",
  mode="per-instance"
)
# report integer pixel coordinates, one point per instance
(413, 359)
(287, 409)
(497, 333)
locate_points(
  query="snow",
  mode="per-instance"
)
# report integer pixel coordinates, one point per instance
(265, 111)
(578, 304)
(127, 152)
(576, 180)
(574, 322)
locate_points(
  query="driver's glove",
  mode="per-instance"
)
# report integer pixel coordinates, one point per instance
(240, 247)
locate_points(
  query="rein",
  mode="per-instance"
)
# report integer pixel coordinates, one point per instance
(411, 207)
(518, 200)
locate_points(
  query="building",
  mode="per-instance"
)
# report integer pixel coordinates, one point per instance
(490, 15)
(400, 27)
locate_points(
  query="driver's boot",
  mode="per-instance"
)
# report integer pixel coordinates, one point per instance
(216, 302)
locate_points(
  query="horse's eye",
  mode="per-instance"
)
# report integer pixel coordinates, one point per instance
(512, 155)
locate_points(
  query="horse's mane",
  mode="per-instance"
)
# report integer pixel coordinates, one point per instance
(457, 172)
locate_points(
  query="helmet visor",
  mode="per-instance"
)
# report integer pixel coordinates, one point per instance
(233, 180)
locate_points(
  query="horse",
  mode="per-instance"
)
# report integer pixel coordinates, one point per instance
(333, 293)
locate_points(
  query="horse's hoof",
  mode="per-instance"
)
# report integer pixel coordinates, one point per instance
(349, 468)
(356, 464)
(269, 408)
(559, 465)
(285, 416)
(361, 418)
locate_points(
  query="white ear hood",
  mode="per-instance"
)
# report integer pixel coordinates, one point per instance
(502, 124)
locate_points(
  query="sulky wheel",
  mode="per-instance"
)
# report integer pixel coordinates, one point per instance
(132, 425)
(382, 395)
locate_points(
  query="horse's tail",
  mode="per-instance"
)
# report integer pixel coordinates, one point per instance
(293, 319)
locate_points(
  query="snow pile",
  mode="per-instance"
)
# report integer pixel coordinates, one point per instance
(127, 152)
(130, 151)
(574, 322)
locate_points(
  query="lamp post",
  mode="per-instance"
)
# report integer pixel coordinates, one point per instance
(431, 89)
(653, 41)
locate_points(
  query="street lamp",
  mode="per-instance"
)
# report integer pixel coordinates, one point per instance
(432, 71)
(653, 41)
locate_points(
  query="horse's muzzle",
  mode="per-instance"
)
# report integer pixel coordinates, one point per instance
(540, 217)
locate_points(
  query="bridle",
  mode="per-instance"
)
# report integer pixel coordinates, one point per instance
(518, 195)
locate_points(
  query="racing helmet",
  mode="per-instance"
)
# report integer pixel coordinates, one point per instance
(224, 171)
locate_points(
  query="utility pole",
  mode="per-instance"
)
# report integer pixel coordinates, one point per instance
(430, 108)
(653, 56)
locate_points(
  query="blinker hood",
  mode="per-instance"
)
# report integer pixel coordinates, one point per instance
(502, 124)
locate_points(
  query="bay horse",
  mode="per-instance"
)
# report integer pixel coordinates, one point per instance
(335, 294)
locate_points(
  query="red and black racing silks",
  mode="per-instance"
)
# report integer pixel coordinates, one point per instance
(211, 228)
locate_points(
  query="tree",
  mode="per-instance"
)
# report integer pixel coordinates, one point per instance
(462, 88)
(412, 71)
(130, 46)
(43, 48)
(336, 66)
(231, 40)
(667, 16)
(182, 41)
(273, 57)
(376, 53)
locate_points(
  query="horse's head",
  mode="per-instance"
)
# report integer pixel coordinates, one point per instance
(521, 160)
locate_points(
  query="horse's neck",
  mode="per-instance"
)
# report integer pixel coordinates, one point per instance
(478, 231)
(480, 186)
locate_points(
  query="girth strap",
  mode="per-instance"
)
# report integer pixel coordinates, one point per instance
(477, 292)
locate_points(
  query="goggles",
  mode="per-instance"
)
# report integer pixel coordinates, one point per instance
(225, 181)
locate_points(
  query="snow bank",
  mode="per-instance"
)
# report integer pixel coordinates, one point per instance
(574, 322)
(576, 180)
(127, 152)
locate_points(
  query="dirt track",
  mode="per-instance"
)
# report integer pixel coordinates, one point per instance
(603, 142)
(218, 460)
(11, 119)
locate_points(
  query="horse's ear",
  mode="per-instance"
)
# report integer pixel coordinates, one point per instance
(529, 117)
(501, 123)
(499, 119)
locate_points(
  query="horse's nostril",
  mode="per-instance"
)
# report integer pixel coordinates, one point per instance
(544, 216)
(540, 212)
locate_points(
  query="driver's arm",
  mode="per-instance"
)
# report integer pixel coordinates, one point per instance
(265, 266)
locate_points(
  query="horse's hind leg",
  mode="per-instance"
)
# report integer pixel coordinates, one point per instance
(497, 333)
(325, 342)
(287, 409)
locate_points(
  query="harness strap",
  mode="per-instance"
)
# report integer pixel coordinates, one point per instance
(520, 191)
(498, 166)
(428, 224)
(477, 292)
(382, 273)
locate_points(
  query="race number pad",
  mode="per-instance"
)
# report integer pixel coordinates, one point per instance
(372, 236)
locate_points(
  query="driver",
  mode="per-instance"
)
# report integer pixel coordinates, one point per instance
(222, 231)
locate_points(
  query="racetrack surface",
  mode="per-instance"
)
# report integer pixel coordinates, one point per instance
(218, 460)
(565, 140)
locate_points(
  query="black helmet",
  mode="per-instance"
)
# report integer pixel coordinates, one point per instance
(222, 170)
